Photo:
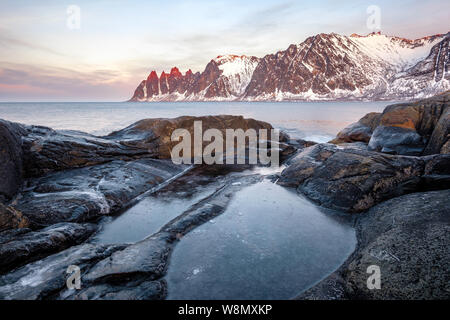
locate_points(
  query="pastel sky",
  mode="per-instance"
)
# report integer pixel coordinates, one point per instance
(120, 42)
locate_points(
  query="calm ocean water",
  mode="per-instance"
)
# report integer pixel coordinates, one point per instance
(317, 121)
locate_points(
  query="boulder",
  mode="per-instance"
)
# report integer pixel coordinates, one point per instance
(360, 131)
(156, 133)
(397, 140)
(413, 128)
(11, 159)
(422, 115)
(34, 245)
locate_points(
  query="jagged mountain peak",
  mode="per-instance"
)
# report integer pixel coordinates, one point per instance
(325, 66)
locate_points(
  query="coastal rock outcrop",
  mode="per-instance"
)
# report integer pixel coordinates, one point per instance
(76, 177)
(158, 131)
(352, 179)
(416, 128)
(46, 150)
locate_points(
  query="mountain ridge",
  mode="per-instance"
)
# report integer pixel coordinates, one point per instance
(323, 67)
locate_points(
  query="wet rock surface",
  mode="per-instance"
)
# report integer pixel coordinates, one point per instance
(19, 249)
(45, 278)
(85, 194)
(407, 237)
(45, 150)
(349, 178)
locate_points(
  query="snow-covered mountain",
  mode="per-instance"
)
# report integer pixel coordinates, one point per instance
(323, 67)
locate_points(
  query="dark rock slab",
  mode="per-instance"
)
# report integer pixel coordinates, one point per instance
(84, 194)
(437, 172)
(44, 279)
(147, 290)
(47, 150)
(33, 245)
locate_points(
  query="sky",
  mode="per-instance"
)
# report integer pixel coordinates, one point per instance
(48, 54)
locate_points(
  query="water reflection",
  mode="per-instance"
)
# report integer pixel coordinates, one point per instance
(269, 244)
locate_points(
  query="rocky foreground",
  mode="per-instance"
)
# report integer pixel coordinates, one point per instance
(57, 186)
